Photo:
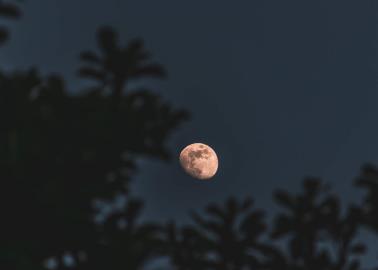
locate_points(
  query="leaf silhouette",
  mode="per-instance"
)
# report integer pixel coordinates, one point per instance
(368, 180)
(62, 153)
(107, 39)
(229, 238)
(89, 56)
(116, 66)
(312, 219)
(91, 73)
(9, 11)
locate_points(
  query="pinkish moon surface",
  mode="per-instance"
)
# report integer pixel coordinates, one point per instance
(199, 160)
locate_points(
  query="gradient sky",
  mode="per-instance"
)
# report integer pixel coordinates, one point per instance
(280, 89)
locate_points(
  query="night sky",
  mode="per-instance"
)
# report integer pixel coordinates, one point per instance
(280, 89)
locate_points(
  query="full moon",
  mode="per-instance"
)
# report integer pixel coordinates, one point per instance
(199, 160)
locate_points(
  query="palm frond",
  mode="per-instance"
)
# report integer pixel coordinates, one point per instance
(151, 70)
(90, 57)
(107, 39)
(87, 72)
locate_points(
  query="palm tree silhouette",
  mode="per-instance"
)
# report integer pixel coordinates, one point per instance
(123, 242)
(314, 224)
(228, 240)
(116, 65)
(60, 153)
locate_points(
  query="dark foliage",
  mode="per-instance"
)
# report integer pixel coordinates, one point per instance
(8, 10)
(116, 66)
(319, 235)
(313, 232)
(61, 152)
(228, 239)
(368, 179)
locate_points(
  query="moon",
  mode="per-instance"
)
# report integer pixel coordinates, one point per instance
(199, 160)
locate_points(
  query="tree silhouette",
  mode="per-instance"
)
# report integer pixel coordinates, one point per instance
(228, 239)
(10, 11)
(117, 65)
(61, 152)
(123, 243)
(317, 229)
(368, 179)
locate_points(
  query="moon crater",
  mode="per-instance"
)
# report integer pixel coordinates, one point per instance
(199, 160)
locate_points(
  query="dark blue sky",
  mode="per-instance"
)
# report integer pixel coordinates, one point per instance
(280, 89)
